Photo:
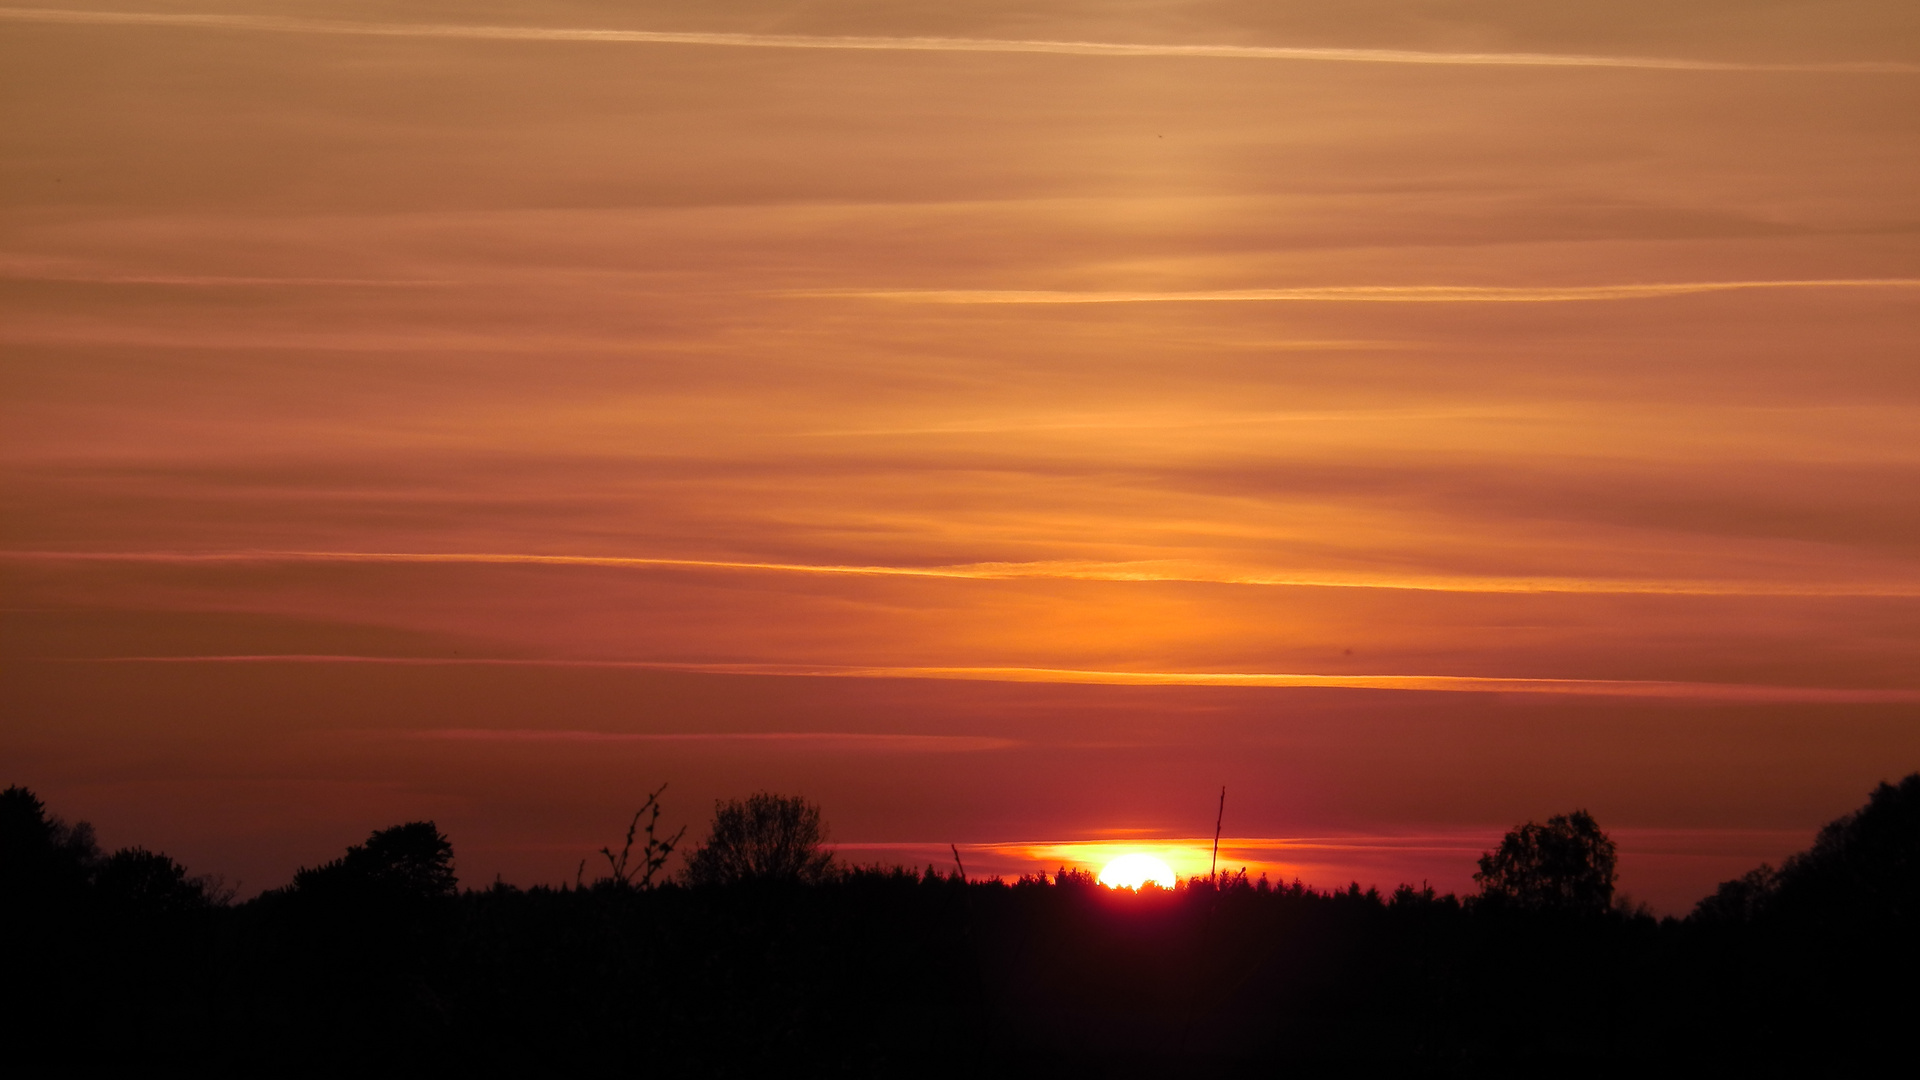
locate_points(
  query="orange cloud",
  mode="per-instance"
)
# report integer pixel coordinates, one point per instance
(849, 43)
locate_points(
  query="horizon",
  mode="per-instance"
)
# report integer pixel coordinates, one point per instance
(1003, 425)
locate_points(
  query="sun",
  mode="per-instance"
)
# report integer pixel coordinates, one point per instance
(1133, 871)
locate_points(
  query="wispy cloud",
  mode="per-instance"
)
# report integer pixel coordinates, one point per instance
(286, 25)
(215, 281)
(872, 742)
(1380, 294)
(1471, 684)
(1096, 850)
(1159, 571)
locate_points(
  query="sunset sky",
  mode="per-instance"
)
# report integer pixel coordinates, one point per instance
(1004, 423)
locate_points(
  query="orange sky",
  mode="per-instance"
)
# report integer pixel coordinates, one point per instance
(1418, 417)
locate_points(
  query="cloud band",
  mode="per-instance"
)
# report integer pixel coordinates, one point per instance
(287, 25)
(1051, 570)
(1631, 688)
(1377, 294)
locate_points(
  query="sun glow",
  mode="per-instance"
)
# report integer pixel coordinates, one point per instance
(1133, 871)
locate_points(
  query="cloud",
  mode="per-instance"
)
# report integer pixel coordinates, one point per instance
(1388, 294)
(1472, 684)
(870, 742)
(1158, 571)
(214, 281)
(284, 25)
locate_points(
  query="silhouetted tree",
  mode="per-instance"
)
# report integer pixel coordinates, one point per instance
(40, 855)
(372, 962)
(1566, 865)
(762, 838)
(411, 861)
(1862, 870)
(135, 879)
(1741, 900)
(1865, 865)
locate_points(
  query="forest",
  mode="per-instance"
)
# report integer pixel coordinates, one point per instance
(762, 953)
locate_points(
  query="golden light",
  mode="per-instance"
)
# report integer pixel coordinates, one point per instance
(1133, 871)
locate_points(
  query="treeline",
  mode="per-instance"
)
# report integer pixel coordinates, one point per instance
(764, 956)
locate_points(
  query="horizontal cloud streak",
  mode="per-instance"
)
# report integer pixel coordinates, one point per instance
(832, 740)
(1159, 572)
(212, 281)
(1392, 294)
(1459, 840)
(1475, 684)
(1320, 856)
(284, 25)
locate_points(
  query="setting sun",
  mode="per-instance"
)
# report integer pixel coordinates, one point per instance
(1133, 871)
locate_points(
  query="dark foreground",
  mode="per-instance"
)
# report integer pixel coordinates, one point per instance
(900, 973)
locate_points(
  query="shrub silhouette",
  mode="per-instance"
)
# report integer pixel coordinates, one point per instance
(1566, 865)
(763, 837)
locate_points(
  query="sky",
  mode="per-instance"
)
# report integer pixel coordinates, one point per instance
(1005, 424)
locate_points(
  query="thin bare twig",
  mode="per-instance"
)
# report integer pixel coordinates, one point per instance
(626, 873)
(1220, 817)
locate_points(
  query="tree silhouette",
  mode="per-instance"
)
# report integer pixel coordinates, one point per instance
(1566, 865)
(1863, 870)
(147, 881)
(411, 861)
(1741, 900)
(41, 856)
(1864, 866)
(374, 963)
(763, 837)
